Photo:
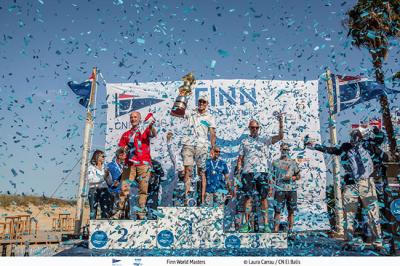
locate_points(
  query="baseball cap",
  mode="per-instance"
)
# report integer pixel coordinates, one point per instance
(203, 98)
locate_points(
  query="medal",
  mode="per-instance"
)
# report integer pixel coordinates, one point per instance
(214, 167)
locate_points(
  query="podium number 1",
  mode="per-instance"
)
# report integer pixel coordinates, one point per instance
(190, 227)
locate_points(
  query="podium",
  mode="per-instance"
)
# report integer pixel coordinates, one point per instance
(391, 227)
(178, 228)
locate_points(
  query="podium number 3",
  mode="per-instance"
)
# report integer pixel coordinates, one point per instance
(124, 232)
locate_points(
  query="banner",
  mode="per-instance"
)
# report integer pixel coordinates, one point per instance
(233, 103)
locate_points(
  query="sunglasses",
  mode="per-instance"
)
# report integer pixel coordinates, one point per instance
(202, 101)
(217, 151)
(254, 127)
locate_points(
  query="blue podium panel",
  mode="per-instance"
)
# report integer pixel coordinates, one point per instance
(122, 234)
(255, 240)
(190, 227)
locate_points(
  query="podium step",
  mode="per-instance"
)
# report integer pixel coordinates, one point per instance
(177, 228)
(255, 240)
(122, 234)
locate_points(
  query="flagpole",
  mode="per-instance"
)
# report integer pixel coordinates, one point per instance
(85, 156)
(335, 165)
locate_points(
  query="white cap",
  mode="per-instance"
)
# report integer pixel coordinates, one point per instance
(203, 97)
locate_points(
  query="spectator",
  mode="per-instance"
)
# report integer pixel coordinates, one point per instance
(98, 190)
(154, 188)
(358, 158)
(115, 169)
(177, 186)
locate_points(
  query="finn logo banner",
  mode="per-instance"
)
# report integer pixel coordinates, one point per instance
(232, 103)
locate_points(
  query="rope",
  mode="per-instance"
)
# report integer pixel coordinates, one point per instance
(62, 181)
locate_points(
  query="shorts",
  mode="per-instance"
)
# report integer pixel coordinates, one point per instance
(193, 154)
(255, 182)
(285, 197)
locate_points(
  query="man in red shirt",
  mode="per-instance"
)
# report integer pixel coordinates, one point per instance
(138, 161)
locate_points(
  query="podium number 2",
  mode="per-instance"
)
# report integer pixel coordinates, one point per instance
(123, 238)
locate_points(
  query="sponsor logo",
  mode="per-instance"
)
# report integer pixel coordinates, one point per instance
(99, 239)
(137, 262)
(116, 262)
(165, 238)
(126, 103)
(395, 209)
(232, 241)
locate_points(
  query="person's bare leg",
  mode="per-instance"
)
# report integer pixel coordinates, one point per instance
(264, 210)
(202, 175)
(277, 219)
(291, 220)
(247, 209)
(187, 178)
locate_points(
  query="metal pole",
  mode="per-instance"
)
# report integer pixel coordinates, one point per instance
(85, 155)
(336, 163)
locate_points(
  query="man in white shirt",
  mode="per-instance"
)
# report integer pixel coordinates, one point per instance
(253, 165)
(195, 140)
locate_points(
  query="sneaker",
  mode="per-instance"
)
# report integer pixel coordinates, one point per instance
(244, 229)
(378, 245)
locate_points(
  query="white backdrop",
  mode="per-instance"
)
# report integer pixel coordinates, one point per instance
(234, 103)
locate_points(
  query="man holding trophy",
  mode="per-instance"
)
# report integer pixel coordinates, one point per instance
(199, 123)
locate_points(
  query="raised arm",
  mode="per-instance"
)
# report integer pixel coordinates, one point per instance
(326, 149)
(213, 137)
(153, 132)
(278, 137)
(170, 149)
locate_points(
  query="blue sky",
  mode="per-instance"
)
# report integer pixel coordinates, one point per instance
(44, 44)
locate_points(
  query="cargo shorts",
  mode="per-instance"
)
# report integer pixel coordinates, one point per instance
(194, 154)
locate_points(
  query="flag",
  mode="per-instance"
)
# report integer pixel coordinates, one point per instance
(82, 89)
(126, 103)
(352, 90)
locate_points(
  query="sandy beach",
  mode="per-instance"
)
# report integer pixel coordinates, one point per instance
(45, 217)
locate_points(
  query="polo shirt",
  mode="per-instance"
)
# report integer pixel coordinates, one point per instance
(215, 175)
(197, 127)
(255, 154)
